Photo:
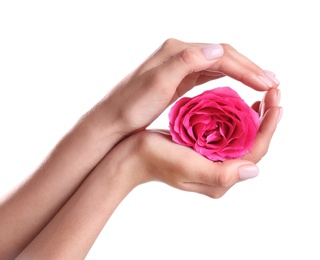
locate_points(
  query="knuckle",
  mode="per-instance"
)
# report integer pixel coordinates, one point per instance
(216, 194)
(227, 47)
(169, 43)
(188, 56)
(225, 180)
(221, 179)
(228, 51)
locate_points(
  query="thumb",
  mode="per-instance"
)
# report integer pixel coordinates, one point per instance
(247, 171)
(189, 60)
(218, 178)
(230, 172)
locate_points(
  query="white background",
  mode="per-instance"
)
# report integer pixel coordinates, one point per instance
(57, 58)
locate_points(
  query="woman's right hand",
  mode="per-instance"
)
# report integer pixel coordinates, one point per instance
(157, 157)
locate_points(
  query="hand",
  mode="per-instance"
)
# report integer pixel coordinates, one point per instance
(159, 158)
(143, 157)
(171, 71)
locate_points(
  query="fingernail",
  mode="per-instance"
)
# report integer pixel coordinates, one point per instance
(280, 114)
(272, 76)
(247, 172)
(212, 52)
(266, 81)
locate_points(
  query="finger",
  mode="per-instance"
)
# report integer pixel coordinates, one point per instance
(216, 57)
(198, 168)
(239, 67)
(168, 49)
(187, 170)
(169, 75)
(221, 177)
(206, 76)
(256, 106)
(271, 99)
(232, 64)
(265, 132)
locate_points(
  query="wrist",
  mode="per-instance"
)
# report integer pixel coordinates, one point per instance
(103, 123)
(131, 161)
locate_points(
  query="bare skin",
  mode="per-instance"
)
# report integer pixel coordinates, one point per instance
(45, 216)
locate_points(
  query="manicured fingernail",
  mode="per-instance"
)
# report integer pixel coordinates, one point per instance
(266, 81)
(272, 76)
(212, 52)
(247, 172)
(280, 114)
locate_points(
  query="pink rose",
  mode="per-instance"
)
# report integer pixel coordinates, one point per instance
(218, 124)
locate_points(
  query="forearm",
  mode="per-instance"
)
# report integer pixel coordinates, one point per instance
(30, 208)
(71, 233)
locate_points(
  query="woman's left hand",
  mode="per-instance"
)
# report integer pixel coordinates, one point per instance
(175, 68)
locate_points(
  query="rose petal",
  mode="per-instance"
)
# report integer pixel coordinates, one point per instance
(217, 124)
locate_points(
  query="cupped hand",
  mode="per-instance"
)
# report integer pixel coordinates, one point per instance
(171, 71)
(158, 158)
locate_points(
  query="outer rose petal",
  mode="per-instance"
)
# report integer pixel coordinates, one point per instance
(217, 124)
